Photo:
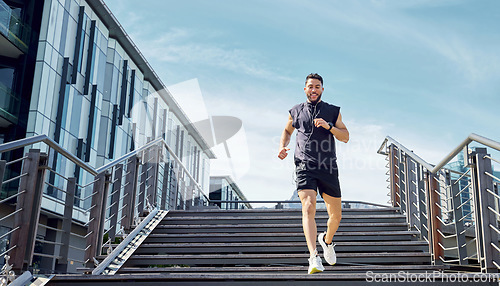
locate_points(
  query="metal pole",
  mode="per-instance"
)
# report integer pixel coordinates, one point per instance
(97, 216)
(403, 190)
(393, 161)
(3, 165)
(434, 212)
(142, 187)
(115, 200)
(62, 265)
(422, 204)
(459, 224)
(29, 202)
(166, 187)
(485, 236)
(411, 193)
(129, 193)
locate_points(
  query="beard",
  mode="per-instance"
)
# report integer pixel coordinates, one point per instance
(314, 101)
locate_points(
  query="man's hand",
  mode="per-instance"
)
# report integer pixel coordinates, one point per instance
(282, 154)
(321, 122)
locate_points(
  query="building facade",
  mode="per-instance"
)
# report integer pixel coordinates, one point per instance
(92, 90)
(223, 188)
(68, 70)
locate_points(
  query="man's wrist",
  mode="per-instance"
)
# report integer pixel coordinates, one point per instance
(331, 126)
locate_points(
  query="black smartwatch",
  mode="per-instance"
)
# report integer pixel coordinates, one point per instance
(331, 125)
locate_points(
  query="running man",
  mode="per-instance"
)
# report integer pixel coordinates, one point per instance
(317, 123)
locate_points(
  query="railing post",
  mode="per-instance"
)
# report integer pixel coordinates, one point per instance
(156, 155)
(411, 193)
(459, 223)
(142, 185)
(433, 210)
(181, 191)
(115, 200)
(486, 238)
(403, 190)
(62, 265)
(166, 187)
(189, 196)
(173, 185)
(3, 164)
(153, 175)
(96, 218)
(393, 168)
(30, 202)
(422, 204)
(129, 194)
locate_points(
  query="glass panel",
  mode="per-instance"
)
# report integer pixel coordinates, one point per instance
(13, 28)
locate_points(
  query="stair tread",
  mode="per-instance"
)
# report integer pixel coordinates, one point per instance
(288, 217)
(285, 268)
(230, 276)
(279, 255)
(281, 210)
(339, 233)
(271, 244)
(368, 224)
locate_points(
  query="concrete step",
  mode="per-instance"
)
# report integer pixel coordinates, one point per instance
(240, 228)
(275, 212)
(276, 259)
(260, 220)
(279, 237)
(277, 247)
(289, 269)
(265, 279)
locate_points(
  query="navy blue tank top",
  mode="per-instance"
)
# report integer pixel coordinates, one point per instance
(315, 145)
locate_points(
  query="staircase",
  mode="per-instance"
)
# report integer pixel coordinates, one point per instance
(266, 246)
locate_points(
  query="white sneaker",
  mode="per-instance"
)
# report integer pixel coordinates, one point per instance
(328, 251)
(315, 265)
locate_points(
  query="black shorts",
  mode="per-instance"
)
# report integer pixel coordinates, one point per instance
(324, 181)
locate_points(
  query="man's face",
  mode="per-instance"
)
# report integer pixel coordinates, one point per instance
(313, 90)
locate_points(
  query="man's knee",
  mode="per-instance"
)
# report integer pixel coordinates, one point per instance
(308, 208)
(335, 218)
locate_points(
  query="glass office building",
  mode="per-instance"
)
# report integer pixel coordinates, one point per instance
(225, 190)
(68, 70)
(96, 95)
(19, 30)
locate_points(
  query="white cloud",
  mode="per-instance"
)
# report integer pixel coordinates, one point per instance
(187, 46)
(471, 58)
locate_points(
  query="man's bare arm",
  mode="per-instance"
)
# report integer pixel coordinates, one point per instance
(285, 138)
(340, 130)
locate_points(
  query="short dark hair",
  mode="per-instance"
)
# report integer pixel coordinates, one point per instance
(315, 76)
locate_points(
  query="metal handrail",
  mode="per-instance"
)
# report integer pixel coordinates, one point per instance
(128, 155)
(183, 167)
(298, 202)
(443, 212)
(54, 145)
(94, 171)
(433, 169)
(404, 149)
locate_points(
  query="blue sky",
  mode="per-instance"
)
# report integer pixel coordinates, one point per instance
(427, 73)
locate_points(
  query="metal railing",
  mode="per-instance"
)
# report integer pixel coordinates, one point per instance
(95, 207)
(454, 206)
(288, 204)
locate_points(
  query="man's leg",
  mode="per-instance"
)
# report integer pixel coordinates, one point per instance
(308, 199)
(334, 208)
